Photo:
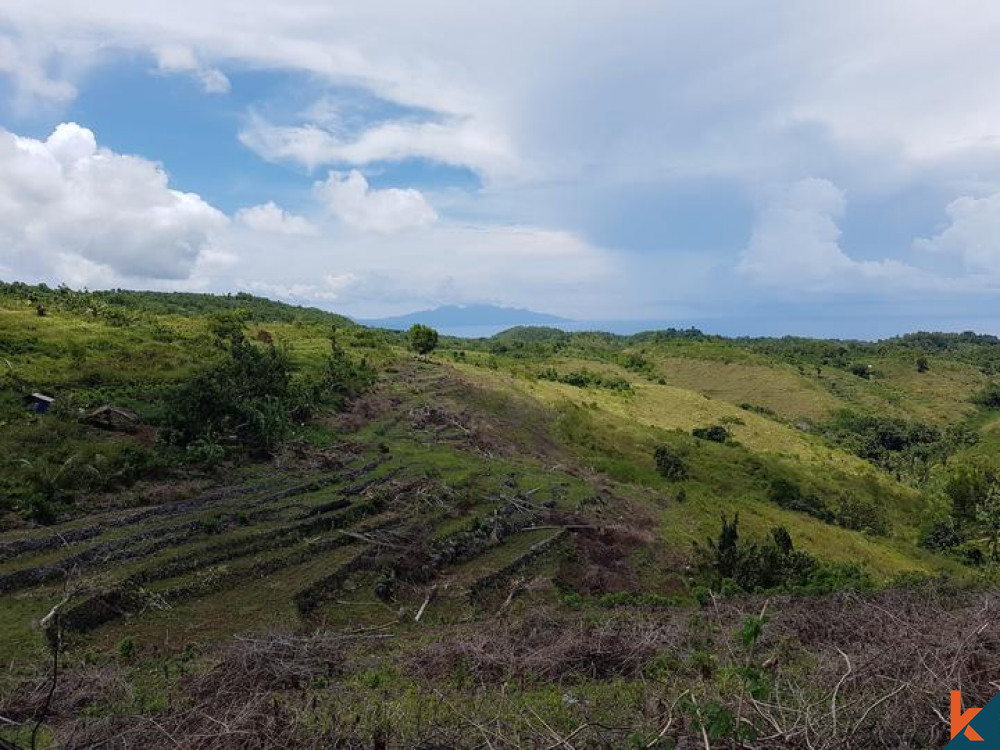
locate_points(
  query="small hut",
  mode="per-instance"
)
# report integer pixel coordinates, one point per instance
(110, 417)
(38, 402)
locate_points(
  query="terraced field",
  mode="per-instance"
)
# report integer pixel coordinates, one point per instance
(302, 545)
(449, 515)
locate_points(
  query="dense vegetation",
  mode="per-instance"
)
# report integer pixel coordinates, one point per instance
(296, 529)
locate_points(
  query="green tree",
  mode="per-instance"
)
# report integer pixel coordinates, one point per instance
(422, 339)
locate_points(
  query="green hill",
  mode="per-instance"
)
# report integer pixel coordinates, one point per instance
(505, 538)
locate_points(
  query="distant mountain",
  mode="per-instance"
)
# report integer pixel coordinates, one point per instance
(469, 320)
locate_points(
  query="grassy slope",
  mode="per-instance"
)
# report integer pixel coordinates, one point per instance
(459, 443)
(726, 479)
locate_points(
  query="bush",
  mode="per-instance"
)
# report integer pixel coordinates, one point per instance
(716, 433)
(858, 514)
(585, 379)
(789, 495)
(967, 486)
(990, 396)
(343, 376)
(731, 563)
(39, 509)
(862, 371)
(248, 397)
(635, 362)
(245, 398)
(758, 409)
(897, 446)
(422, 339)
(941, 535)
(669, 464)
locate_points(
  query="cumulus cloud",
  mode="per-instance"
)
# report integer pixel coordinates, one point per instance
(795, 244)
(71, 209)
(353, 201)
(269, 218)
(973, 236)
(180, 59)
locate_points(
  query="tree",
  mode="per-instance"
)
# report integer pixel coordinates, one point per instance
(422, 339)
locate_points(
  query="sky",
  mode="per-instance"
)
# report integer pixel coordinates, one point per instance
(776, 167)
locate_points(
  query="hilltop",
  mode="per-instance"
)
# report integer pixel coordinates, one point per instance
(313, 534)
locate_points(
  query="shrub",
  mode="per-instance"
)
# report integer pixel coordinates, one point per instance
(585, 379)
(635, 362)
(859, 514)
(731, 563)
(39, 509)
(941, 534)
(789, 495)
(862, 371)
(245, 398)
(669, 464)
(716, 433)
(990, 396)
(967, 486)
(126, 648)
(757, 409)
(343, 376)
(422, 339)
(896, 445)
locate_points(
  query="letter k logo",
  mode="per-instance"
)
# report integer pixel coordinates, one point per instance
(960, 721)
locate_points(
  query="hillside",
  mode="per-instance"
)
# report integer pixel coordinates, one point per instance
(314, 536)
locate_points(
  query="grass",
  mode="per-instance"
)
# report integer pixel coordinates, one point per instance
(472, 450)
(781, 389)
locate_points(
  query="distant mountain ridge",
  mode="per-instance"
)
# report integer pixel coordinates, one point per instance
(460, 318)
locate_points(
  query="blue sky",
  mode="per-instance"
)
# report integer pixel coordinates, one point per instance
(823, 168)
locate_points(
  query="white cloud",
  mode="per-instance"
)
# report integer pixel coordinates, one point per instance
(72, 211)
(269, 218)
(460, 143)
(69, 209)
(180, 59)
(625, 90)
(653, 82)
(625, 104)
(370, 274)
(973, 235)
(353, 201)
(795, 245)
(30, 75)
